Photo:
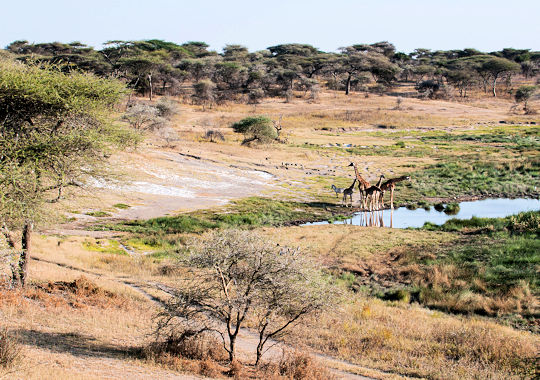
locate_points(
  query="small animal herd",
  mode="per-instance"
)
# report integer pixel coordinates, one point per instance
(371, 197)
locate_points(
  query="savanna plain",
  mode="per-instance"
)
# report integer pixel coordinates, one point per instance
(114, 265)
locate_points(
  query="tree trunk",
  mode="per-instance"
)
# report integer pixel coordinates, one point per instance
(150, 81)
(25, 254)
(15, 281)
(232, 343)
(494, 86)
(259, 353)
(348, 85)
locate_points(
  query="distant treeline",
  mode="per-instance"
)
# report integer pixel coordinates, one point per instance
(190, 69)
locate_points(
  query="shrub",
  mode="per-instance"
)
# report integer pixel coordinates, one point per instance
(439, 207)
(197, 351)
(525, 222)
(122, 206)
(98, 214)
(451, 209)
(255, 95)
(166, 108)
(295, 365)
(10, 350)
(401, 295)
(143, 117)
(256, 128)
(213, 135)
(235, 275)
(428, 88)
(189, 344)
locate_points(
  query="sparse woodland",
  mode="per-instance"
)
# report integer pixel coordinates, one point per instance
(206, 77)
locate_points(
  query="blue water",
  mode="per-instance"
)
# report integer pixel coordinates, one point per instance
(403, 218)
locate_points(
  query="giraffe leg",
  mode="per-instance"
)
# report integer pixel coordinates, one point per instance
(392, 199)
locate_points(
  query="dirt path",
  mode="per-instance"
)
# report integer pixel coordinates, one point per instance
(247, 340)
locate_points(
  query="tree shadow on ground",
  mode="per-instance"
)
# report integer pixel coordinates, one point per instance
(73, 343)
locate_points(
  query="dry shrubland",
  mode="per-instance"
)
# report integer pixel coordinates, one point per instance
(204, 354)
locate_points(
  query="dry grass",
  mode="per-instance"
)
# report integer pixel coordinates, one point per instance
(198, 353)
(10, 351)
(77, 328)
(413, 341)
(294, 365)
(353, 248)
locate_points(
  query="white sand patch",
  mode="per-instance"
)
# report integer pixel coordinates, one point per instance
(144, 188)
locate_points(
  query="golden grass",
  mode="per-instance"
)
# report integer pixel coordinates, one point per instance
(413, 341)
(294, 364)
(350, 247)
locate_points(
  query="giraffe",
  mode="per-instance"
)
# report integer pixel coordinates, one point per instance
(363, 185)
(371, 195)
(391, 185)
(348, 191)
(377, 192)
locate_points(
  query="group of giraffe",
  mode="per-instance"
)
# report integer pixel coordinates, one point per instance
(371, 196)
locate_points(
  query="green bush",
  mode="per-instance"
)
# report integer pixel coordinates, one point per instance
(256, 128)
(451, 209)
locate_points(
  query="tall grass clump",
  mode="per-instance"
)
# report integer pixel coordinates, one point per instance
(10, 350)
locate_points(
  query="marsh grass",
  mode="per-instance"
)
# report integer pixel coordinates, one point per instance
(524, 140)
(248, 212)
(474, 176)
(104, 246)
(492, 271)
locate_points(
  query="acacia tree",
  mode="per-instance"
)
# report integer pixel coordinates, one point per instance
(233, 275)
(204, 93)
(55, 131)
(353, 62)
(496, 67)
(257, 128)
(523, 94)
(462, 79)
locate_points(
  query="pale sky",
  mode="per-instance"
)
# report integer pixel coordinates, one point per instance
(487, 25)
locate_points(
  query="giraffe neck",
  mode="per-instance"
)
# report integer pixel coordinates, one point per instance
(392, 182)
(359, 177)
(380, 181)
(399, 179)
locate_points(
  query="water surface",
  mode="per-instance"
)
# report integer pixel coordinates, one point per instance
(403, 218)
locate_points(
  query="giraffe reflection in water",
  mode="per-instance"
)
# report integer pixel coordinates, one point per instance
(371, 219)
